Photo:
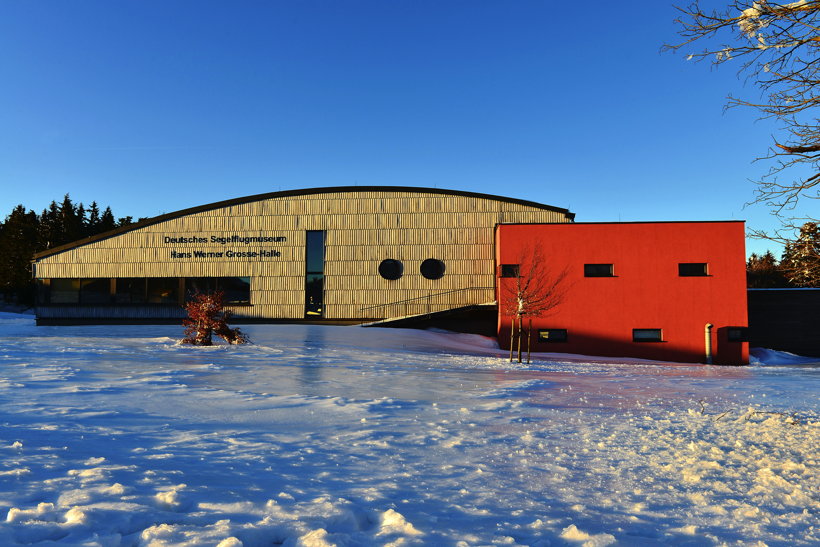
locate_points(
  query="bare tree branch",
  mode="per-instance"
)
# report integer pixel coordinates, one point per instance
(776, 46)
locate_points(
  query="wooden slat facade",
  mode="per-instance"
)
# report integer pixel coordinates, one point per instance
(363, 227)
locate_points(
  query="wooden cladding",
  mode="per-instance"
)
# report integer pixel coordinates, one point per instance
(362, 229)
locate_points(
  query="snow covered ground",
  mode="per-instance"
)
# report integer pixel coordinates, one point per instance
(320, 436)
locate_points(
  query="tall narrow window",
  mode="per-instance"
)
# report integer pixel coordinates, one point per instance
(314, 273)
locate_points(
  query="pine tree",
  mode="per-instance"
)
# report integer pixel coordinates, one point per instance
(72, 222)
(18, 242)
(763, 272)
(801, 257)
(49, 229)
(93, 224)
(107, 221)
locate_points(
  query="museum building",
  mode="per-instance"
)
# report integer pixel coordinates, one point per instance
(362, 254)
(333, 254)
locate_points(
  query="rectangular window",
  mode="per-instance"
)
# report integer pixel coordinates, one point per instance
(163, 290)
(599, 270)
(237, 289)
(647, 335)
(693, 269)
(509, 270)
(737, 334)
(194, 285)
(552, 335)
(130, 290)
(43, 287)
(65, 291)
(95, 291)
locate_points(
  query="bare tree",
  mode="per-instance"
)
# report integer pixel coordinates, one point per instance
(775, 46)
(535, 292)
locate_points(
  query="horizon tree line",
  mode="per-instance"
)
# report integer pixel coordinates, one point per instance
(24, 233)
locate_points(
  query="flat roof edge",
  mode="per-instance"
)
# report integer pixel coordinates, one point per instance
(625, 222)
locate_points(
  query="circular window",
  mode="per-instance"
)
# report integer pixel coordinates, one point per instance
(432, 268)
(391, 269)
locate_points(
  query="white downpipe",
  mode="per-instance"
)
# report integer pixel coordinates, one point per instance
(708, 340)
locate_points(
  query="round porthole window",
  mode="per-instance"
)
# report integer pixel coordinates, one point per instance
(432, 268)
(391, 269)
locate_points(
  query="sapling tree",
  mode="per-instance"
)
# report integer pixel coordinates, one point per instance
(534, 292)
(206, 317)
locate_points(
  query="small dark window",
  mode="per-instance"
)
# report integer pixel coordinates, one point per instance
(647, 335)
(598, 270)
(737, 334)
(391, 269)
(693, 269)
(432, 268)
(552, 335)
(509, 270)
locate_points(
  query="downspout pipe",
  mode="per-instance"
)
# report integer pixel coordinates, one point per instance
(707, 333)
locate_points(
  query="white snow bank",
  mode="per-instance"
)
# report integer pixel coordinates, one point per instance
(770, 357)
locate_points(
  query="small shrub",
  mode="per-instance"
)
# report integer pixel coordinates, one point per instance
(207, 317)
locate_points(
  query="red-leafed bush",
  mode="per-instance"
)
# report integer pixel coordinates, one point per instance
(207, 317)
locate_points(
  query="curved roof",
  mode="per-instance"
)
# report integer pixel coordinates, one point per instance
(289, 193)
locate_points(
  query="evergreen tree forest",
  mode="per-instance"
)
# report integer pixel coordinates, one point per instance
(24, 233)
(799, 266)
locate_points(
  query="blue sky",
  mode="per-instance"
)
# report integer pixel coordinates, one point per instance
(152, 107)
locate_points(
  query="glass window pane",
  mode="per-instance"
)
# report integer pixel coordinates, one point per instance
(432, 268)
(391, 269)
(598, 270)
(194, 285)
(65, 291)
(237, 290)
(647, 335)
(130, 290)
(315, 252)
(693, 269)
(163, 290)
(314, 290)
(552, 335)
(95, 291)
(509, 270)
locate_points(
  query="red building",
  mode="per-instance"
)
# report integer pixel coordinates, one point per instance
(673, 291)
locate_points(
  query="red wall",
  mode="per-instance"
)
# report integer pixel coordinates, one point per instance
(599, 313)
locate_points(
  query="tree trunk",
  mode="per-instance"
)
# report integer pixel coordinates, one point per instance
(512, 337)
(529, 341)
(520, 333)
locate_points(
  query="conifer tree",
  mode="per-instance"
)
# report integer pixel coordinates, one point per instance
(801, 257)
(763, 272)
(18, 242)
(72, 222)
(93, 223)
(107, 221)
(49, 229)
